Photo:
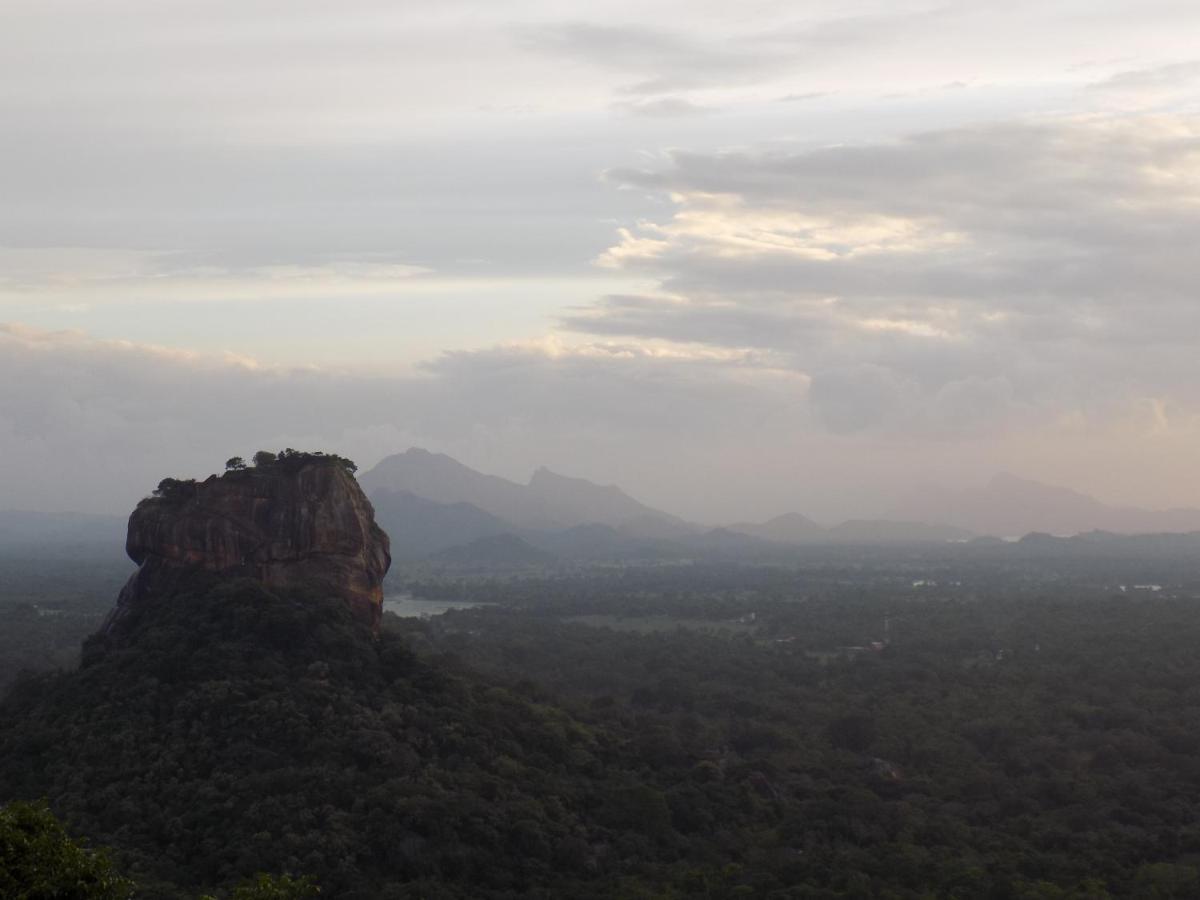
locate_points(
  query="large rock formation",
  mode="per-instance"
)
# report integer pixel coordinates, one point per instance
(301, 522)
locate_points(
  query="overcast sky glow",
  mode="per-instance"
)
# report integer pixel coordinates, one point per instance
(739, 258)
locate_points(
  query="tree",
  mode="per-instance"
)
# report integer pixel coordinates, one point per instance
(264, 458)
(294, 459)
(854, 733)
(38, 860)
(235, 464)
(282, 887)
(272, 887)
(175, 488)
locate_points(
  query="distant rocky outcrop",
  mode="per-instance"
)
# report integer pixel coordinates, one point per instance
(300, 522)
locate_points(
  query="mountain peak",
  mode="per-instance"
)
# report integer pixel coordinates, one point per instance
(543, 474)
(550, 500)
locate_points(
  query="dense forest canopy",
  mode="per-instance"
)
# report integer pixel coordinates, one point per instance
(657, 732)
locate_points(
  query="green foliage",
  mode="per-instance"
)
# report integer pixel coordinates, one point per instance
(175, 489)
(237, 731)
(46, 610)
(855, 733)
(235, 464)
(282, 887)
(39, 861)
(1021, 745)
(294, 459)
(272, 887)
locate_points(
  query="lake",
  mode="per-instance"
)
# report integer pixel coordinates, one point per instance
(408, 606)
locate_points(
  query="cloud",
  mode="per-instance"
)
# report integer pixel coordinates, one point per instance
(397, 179)
(95, 424)
(803, 96)
(1031, 268)
(662, 108)
(91, 275)
(712, 432)
(1151, 86)
(658, 59)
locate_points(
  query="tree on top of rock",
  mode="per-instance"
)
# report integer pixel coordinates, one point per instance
(294, 459)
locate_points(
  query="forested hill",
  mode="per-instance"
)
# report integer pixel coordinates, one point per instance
(240, 731)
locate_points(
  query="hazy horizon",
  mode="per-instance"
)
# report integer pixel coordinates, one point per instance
(739, 262)
(1022, 505)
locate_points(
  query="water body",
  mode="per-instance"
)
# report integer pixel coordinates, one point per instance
(408, 606)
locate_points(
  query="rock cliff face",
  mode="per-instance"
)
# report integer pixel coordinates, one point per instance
(304, 523)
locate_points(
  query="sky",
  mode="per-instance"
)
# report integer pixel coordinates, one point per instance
(741, 259)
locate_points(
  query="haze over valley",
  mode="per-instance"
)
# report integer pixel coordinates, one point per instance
(608, 451)
(430, 503)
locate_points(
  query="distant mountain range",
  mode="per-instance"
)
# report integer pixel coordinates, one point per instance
(1010, 506)
(549, 501)
(435, 507)
(419, 527)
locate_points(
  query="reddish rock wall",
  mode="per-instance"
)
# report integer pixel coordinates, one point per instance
(289, 526)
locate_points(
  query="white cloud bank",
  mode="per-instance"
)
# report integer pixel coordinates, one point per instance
(977, 279)
(810, 304)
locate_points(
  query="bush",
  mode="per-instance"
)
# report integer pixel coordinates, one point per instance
(39, 860)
